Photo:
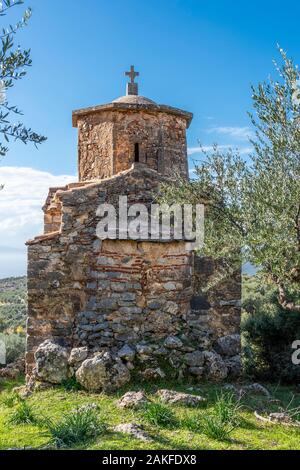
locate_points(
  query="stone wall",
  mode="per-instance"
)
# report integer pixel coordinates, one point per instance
(106, 143)
(72, 275)
(217, 296)
(95, 147)
(137, 291)
(143, 303)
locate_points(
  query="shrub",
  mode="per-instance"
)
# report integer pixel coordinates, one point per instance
(158, 414)
(268, 333)
(23, 414)
(15, 346)
(76, 427)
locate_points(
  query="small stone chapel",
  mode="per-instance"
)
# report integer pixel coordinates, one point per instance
(108, 310)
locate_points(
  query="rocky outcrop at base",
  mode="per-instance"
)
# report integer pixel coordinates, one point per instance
(102, 373)
(52, 362)
(111, 368)
(179, 398)
(135, 430)
(12, 371)
(133, 400)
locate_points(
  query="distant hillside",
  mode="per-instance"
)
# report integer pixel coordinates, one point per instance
(13, 304)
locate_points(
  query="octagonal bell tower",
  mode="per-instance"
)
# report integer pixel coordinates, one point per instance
(131, 129)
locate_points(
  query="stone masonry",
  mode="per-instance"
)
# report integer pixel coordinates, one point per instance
(109, 310)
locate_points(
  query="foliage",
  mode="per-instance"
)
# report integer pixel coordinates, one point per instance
(14, 62)
(23, 414)
(13, 305)
(10, 400)
(15, 346)
(71, 384)
(268, 332)
(223, 419)
(213, 426)
(253, 205)
(75, 428)
(192, 422)
(158, 414)
(227, 408)
(220, 421)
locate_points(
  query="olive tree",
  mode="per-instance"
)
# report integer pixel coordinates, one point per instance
(14, 63)
(253, 205)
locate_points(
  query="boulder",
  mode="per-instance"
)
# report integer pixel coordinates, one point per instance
(229, 345)
(144, 351)
(172, 342)
(12, 371)
(251, 389)
(194, 359)
(102, 372)
(215, 367)
(255, 389)
(232, 390)
(134, 430)
(179, 398)
(52, 362)
(133, 400)
(197, 371)
(78, 355)
(153, 374)
(234, 365)
(126, 353)
(280, 418)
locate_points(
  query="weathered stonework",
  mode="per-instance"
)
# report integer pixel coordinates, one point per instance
(124, 305)
(108, 134)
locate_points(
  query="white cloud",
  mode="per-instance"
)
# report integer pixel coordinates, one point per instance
(206, 148)
(210, 148)
(21, 200)
(239, 133)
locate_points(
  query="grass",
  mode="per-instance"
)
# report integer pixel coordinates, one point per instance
(11, 400)
(227, 408)
(160, 415)
(220, 421)
(77, 427)
(213, 427)
(23, 414)
(56, 406)
(71, 385)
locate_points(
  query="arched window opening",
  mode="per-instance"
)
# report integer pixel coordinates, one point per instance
(136, 153)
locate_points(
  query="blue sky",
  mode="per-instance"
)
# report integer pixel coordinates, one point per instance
(197, 55)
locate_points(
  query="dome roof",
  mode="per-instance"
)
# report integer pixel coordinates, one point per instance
(134, 99)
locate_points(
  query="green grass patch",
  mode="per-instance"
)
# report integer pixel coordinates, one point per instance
(23, 414)
(76, 427)
(160, 415)
(58, 404)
